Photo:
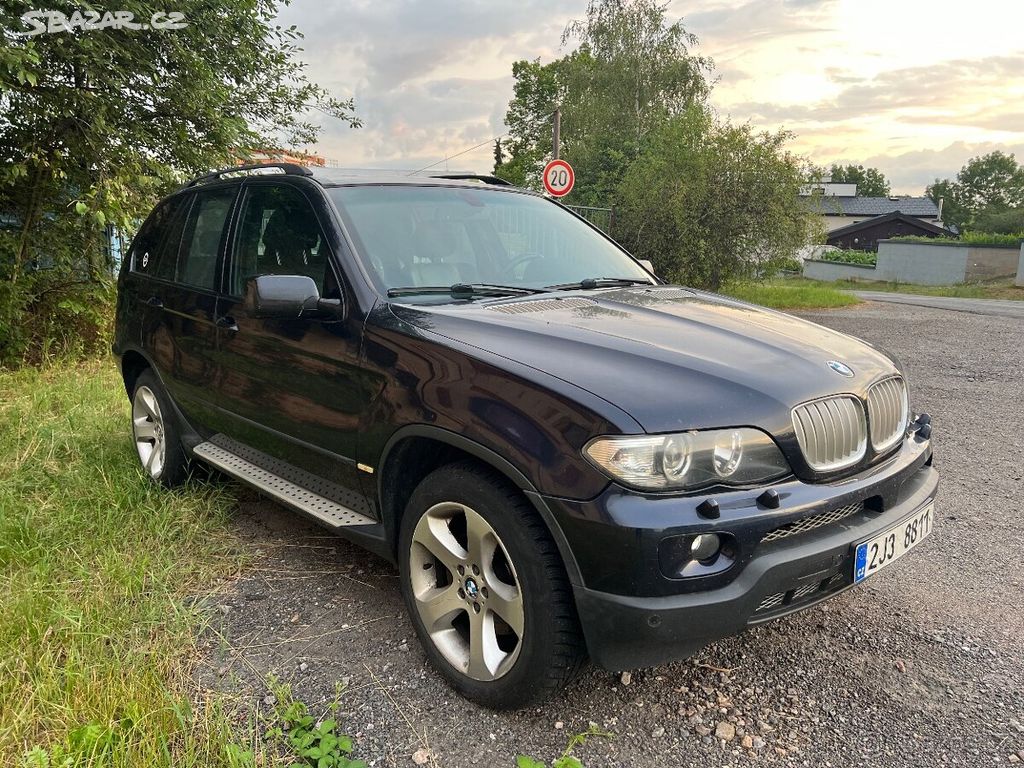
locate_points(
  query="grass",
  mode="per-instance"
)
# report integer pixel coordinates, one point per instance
(995, 290)
(795, 293)
(96, 633)
(97, 629)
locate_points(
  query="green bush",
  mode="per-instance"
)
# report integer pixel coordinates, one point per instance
(864, 258)
(60, 304)
(790, 265)
(967, 238)
(987, 238)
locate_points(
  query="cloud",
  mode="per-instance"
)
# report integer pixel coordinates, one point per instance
(937, 93)
(915, 169)
(857, 80)
(731, 26)
(429, 77)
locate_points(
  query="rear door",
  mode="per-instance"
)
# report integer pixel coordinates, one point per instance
(293, 388)
(181, 333)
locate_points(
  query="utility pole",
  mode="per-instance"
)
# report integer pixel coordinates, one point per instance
(556, 131)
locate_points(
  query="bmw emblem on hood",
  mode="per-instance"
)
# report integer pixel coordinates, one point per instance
(841, 368)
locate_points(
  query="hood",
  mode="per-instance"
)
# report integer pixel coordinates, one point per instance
(672, 358)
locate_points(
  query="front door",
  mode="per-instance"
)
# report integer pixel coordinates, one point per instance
(292, 388)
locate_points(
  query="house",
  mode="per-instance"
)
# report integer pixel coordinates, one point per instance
(864, 235)
(840, 205)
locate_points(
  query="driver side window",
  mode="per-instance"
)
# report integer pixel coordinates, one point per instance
(278, 234)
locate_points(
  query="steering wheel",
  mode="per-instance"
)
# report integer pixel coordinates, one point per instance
(508, 271)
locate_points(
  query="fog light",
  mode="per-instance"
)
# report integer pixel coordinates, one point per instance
(693, 555)
(704, 546)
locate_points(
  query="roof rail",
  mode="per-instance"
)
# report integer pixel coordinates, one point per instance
(486, 178)
(289, 169)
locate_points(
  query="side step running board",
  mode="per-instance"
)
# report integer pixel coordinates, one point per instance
(281, 489)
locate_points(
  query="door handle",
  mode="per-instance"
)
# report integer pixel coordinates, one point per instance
(155, 301)
(227, 322)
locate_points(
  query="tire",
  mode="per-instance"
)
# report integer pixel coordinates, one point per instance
(486, 589)
(155, 433)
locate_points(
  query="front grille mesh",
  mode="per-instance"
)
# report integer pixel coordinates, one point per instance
(832, 432)
(888, 412)
(812, 522)
(805, 593)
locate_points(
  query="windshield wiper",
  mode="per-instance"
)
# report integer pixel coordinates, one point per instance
(462, 290)
(591, 283)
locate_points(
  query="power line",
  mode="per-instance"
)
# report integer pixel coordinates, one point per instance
(446, 158)
(478, 146)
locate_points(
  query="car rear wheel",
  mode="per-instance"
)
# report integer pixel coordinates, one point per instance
(486, 589)
(155, 433)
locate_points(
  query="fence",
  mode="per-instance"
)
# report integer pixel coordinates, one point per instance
(602, 218)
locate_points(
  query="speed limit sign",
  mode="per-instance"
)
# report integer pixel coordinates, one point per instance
(558, 178)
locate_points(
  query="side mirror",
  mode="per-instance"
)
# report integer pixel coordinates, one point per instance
(647, 264)
(284, 296)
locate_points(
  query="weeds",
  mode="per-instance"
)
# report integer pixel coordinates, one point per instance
(566, 759)
(312, 742)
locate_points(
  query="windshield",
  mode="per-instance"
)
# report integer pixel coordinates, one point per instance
(422, 236)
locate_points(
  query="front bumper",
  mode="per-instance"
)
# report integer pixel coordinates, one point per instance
(634, 616)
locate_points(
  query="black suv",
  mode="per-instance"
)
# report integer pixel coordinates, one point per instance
(564, 456)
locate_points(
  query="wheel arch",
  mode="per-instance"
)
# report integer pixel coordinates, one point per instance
(133, 363)
(416, 450)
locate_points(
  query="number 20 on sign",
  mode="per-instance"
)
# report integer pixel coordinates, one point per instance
(558, 178)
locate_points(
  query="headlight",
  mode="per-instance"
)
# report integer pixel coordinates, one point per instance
(690, 459)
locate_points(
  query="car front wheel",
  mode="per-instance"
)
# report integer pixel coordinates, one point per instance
(486, 589)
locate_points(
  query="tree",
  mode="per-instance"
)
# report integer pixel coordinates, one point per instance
(870, 182)
(536, 92)
(94, 124)
(1008, 222)
(946, 193)
(709, 202)
(705, 200)
(986, 186)
(631, 71)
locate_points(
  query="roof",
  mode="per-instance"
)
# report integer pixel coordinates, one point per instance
(919, 207)
(874, 221)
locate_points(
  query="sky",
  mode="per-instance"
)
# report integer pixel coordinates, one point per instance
(914, 88)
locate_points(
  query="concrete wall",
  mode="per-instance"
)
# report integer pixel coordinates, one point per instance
(944, 264)
(989, 263)
(921, 263)
(926, 264)
(834, 270)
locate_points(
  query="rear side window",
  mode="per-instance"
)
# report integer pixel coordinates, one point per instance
(200, 246)
(278, 234)
(155, 247)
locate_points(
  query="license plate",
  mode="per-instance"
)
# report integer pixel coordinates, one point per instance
(874, 554)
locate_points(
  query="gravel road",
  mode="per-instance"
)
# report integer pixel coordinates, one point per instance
(998, 307)
(921, 666)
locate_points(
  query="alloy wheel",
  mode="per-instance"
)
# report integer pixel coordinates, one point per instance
(466, 591)
(148, 430)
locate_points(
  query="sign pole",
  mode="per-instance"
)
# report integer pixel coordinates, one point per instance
(556, 130)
